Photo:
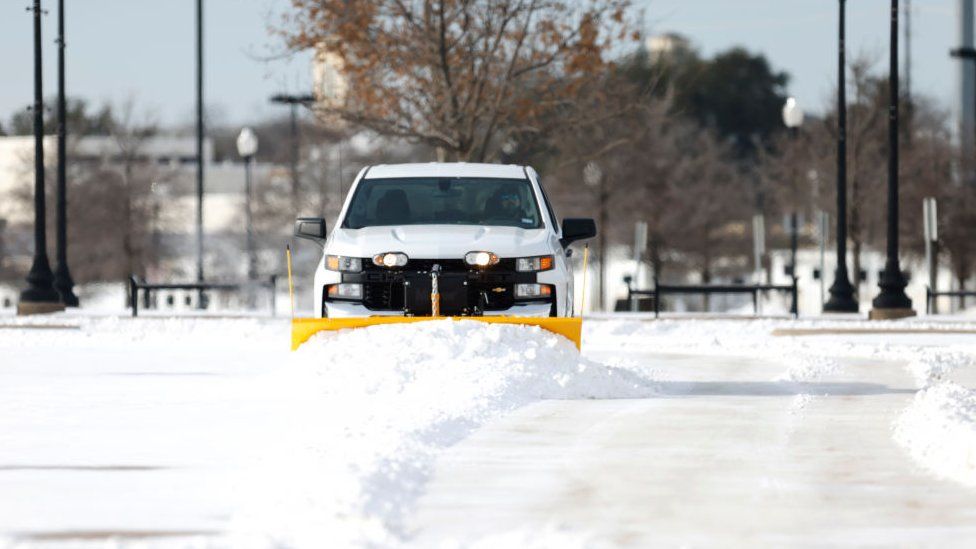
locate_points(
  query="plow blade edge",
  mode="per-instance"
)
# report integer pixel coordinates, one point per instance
(304, 328)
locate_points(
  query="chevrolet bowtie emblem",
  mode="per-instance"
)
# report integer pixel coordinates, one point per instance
(498, 290)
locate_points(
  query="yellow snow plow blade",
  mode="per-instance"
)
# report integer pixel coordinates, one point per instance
(304, 328)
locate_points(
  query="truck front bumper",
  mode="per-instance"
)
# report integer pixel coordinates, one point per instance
(497, 290)
(343, 309)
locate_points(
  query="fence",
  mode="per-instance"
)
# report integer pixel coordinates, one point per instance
(135, 285)
(709, 289)
(931, 296)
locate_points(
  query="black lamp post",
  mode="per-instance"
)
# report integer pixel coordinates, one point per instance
(201, 296)
(966, 54)
(247, 146)
(892, 301)
(199, 76)
(842, 298)
(594, 177)
(293, 101)
(793, 119)
(40, 295)
(62, 275)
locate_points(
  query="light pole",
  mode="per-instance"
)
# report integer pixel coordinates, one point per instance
(199, 76)
(892, 302)
(316, 158)
(293, 101)
(594, 178)
(160, 196)
(40, 295)
(62, 275)
(965, 54)
(841, 291)
(247, 146)
(793, 119)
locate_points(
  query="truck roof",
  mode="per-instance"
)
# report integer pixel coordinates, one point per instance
(446, 169)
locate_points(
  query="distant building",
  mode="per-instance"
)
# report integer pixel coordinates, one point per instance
(175, 157)
(667, 46)
(327, 73)
(331, 84)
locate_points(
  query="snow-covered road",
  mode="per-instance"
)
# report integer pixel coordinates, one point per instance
(731, 454)
(208, 432)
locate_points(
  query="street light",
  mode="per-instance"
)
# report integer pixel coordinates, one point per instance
(293, 101)
(40, 295)
(793, 118)
(842, 298)
(202, 298)
(509, 148)
(792, 114)
(247, 146)
(965, 54)
(593, 177)
(892, 302)
(62, 274)
(160, 196)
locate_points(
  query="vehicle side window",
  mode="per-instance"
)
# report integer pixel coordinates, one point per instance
(552, 213)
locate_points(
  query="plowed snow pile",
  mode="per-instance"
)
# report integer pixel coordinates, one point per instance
(939, 430)
(370, 408)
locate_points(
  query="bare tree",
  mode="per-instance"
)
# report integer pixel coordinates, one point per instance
(456, 74)
(137, 175)
(711, 207)
(958, 230)
(3, 249)
(661, 168)
(110, 209)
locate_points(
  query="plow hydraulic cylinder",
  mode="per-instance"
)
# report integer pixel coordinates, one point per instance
(435, 294)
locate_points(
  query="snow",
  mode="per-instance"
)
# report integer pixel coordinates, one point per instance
(390, 397)
(251, 445)
(386, 399)
(334, 441)
(934, 349)
(939, 430)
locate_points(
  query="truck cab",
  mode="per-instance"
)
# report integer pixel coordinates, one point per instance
(445, 239)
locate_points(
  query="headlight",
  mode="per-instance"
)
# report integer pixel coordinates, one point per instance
(343, 264)
(480, 259)
(346, 291)
(532, 264)
(532, 290)
(390, 259)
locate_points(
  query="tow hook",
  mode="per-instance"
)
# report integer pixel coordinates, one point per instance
(435, 294)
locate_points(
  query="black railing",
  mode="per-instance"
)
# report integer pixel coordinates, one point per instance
(135, 285)
(707, 289)
(931, 296)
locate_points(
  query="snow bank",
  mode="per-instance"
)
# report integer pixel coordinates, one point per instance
(371, 408)
(932, 366)
(930, 355)
(939, 430)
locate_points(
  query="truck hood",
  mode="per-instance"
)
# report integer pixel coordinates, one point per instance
(438, 241)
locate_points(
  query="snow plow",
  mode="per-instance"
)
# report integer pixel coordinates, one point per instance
(416, 242)
(304, 328)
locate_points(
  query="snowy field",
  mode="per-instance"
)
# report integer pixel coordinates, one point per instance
(208, 432)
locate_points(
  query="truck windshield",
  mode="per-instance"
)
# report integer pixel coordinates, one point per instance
(443, 201)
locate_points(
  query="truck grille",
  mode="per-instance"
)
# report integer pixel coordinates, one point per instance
(463, 290)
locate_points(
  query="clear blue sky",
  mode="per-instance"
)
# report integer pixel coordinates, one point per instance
(144, 48)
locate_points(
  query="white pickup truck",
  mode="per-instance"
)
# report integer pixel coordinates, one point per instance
(445, 239)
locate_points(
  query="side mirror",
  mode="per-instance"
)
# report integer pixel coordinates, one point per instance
(577, 228)
(312, 228)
